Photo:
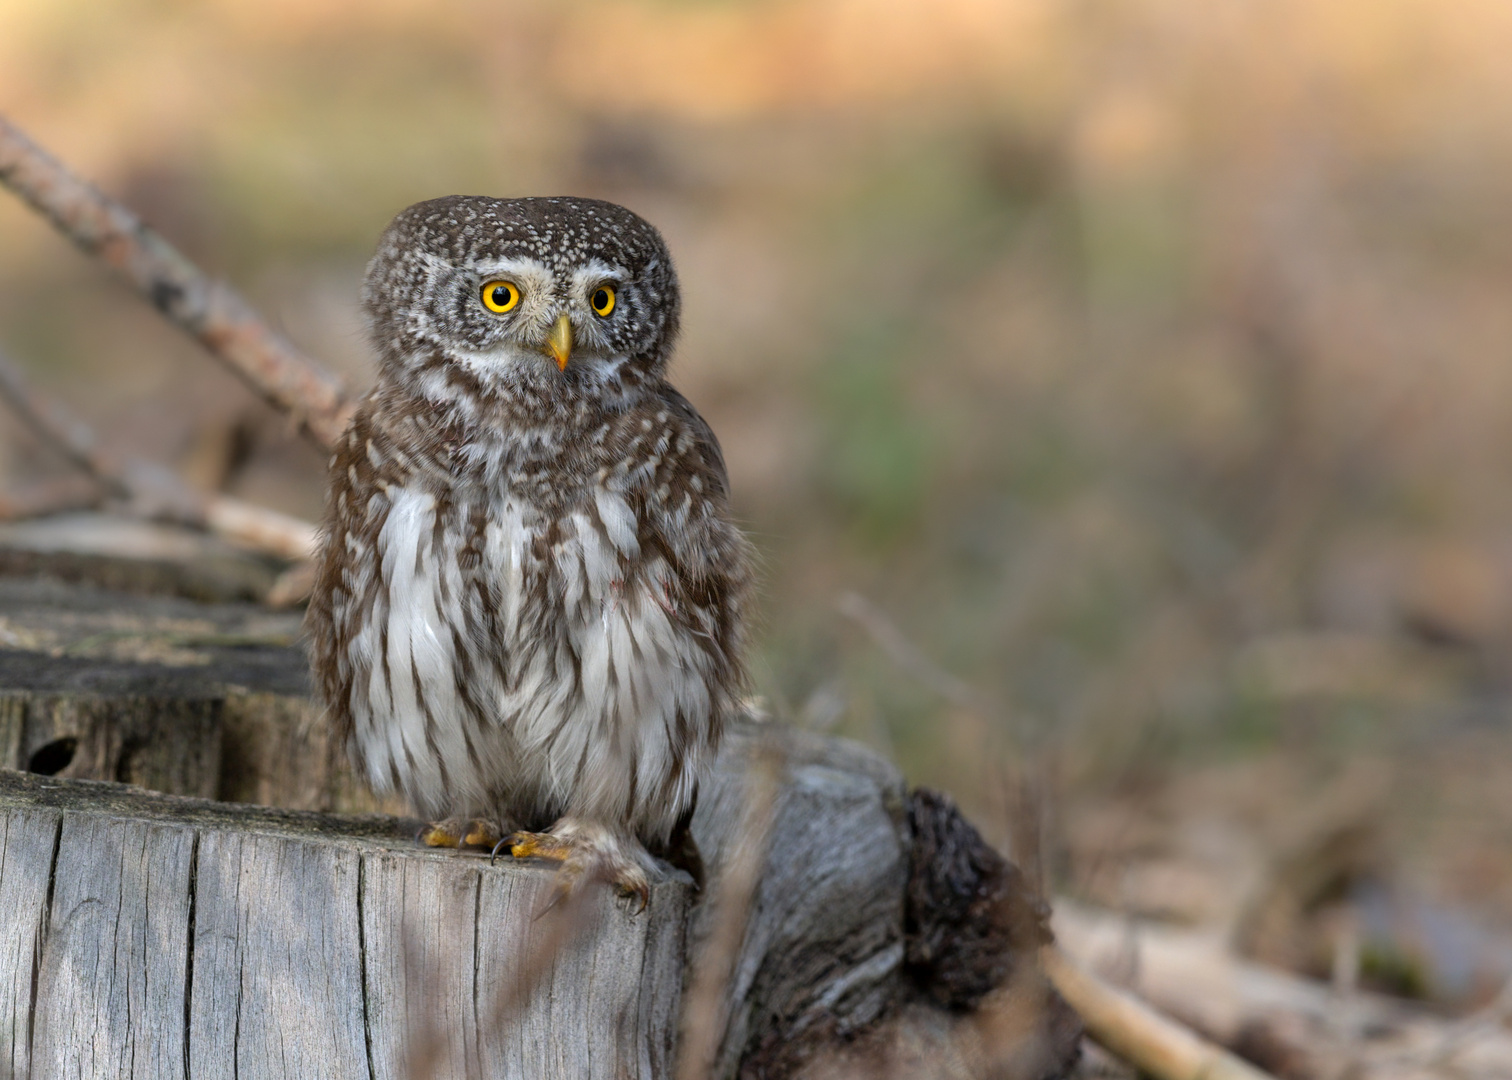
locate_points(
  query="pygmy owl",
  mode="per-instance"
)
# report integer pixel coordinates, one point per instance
(529, 609)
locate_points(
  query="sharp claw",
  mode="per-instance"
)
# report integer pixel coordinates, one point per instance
(641, 893)
(576, 862)
(633, 889)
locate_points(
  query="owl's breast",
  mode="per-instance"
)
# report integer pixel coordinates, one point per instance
(538, 648)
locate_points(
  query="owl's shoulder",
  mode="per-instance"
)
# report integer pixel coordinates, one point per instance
(666, 448)
(699, 447)
(394, 439)
(683, 489)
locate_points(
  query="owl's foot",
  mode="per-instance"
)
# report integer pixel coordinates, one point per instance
(583, 853)
(460, 832)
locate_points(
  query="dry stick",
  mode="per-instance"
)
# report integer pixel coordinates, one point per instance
(150, 490)
(561, 923)
(906, 655)
(50, 497)
(207, 309)
(704, 1015)
(60, 429)
(1027, 821)
(1155, 1044)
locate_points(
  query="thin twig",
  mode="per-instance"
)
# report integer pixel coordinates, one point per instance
(1026, 796)
(564, 921)
(906, 655)
(60, 429)
(58, 496)
(148, 490)
(705, 1014)
(1149, 1040)
(210, 311)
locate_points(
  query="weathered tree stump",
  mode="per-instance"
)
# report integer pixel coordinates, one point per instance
(169, 694)
(154, 935)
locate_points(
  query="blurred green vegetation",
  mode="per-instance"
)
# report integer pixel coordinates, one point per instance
(1146, 366)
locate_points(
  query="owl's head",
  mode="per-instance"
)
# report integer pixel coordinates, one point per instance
(532, 297)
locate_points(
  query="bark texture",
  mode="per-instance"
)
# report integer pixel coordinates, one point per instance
(149, 936)
(154, 935)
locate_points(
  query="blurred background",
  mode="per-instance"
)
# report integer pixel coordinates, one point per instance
(1119, 392)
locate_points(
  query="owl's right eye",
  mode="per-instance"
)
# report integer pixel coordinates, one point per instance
(501, 296)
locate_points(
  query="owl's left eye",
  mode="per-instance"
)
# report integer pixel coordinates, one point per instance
(602, 300)
(501, 296)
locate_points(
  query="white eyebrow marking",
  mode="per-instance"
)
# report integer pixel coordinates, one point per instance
(531, 275)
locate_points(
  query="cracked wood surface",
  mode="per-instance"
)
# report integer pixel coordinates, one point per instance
(188, 698)
(151, 936)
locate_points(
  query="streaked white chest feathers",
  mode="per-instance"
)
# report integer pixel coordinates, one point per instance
(503, 661)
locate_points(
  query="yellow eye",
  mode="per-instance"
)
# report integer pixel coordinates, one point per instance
(501, 296)
(602, 300)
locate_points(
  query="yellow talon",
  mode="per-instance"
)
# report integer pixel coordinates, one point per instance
(457, 832)
(481, 835)
(537, 846)
(578, 864)
(439, 836)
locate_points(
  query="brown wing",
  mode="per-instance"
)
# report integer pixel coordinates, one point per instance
(710, 455)
(690, 523)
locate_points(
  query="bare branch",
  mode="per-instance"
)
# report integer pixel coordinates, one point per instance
(258, 527)
(51, 497)
(1154, 1043)
(210, 311)
(149, 490)
(1293, 1021)
(906, 655)
(60, 429)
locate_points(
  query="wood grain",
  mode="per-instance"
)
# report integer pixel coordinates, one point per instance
(151, 936)
(824, 947)
(30, 838)
(114, 958)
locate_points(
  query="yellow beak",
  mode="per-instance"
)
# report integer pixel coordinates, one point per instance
(559, 342)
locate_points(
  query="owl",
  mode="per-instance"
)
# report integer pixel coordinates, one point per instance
(531, 597)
